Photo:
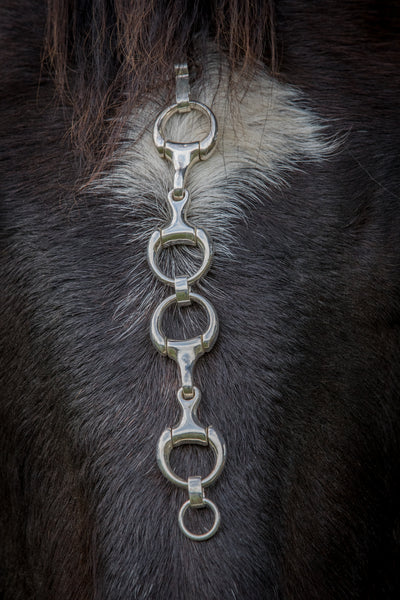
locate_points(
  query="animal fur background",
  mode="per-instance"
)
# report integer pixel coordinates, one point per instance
(301, 200)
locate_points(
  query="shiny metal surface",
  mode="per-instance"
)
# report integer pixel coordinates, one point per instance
(182, 291)
(182, 87)
(199, 537)
(178, 231)
(190, 431)
(196, 492)
(184, 154)
(185, 352)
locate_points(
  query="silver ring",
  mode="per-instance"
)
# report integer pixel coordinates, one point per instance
(155, 245)
(205, 340)
(203, 536)
(205, 146)
(165, 446)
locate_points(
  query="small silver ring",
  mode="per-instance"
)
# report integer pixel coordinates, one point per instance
(165, 447)
(199, 537)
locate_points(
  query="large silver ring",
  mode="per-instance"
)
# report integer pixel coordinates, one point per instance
(205, 340)
(166, 147)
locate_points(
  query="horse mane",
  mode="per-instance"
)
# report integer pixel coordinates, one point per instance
(107, 56)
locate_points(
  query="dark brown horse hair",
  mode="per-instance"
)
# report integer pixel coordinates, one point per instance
(106, 56)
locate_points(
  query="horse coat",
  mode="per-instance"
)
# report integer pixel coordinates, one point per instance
(301, 200)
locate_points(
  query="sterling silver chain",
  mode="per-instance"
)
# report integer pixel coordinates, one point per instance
(185, 352)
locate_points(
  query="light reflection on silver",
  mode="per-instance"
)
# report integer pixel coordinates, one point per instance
(178, 231)
(190, 431)
(185, 352)
(184, 154)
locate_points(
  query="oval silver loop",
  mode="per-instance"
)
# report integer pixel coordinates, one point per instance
(190, 431)
(184, 352)
(199, 537)
(165, 446)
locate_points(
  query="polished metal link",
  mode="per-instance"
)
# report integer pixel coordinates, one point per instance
(184, 154)
(182, 88)
(196, 492)
(182, 291)
(178, 232)
(186, 352)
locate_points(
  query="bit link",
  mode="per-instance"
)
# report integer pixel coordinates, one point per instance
(184, 352)
(190, 431)
(184, 154)
(178, 231)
